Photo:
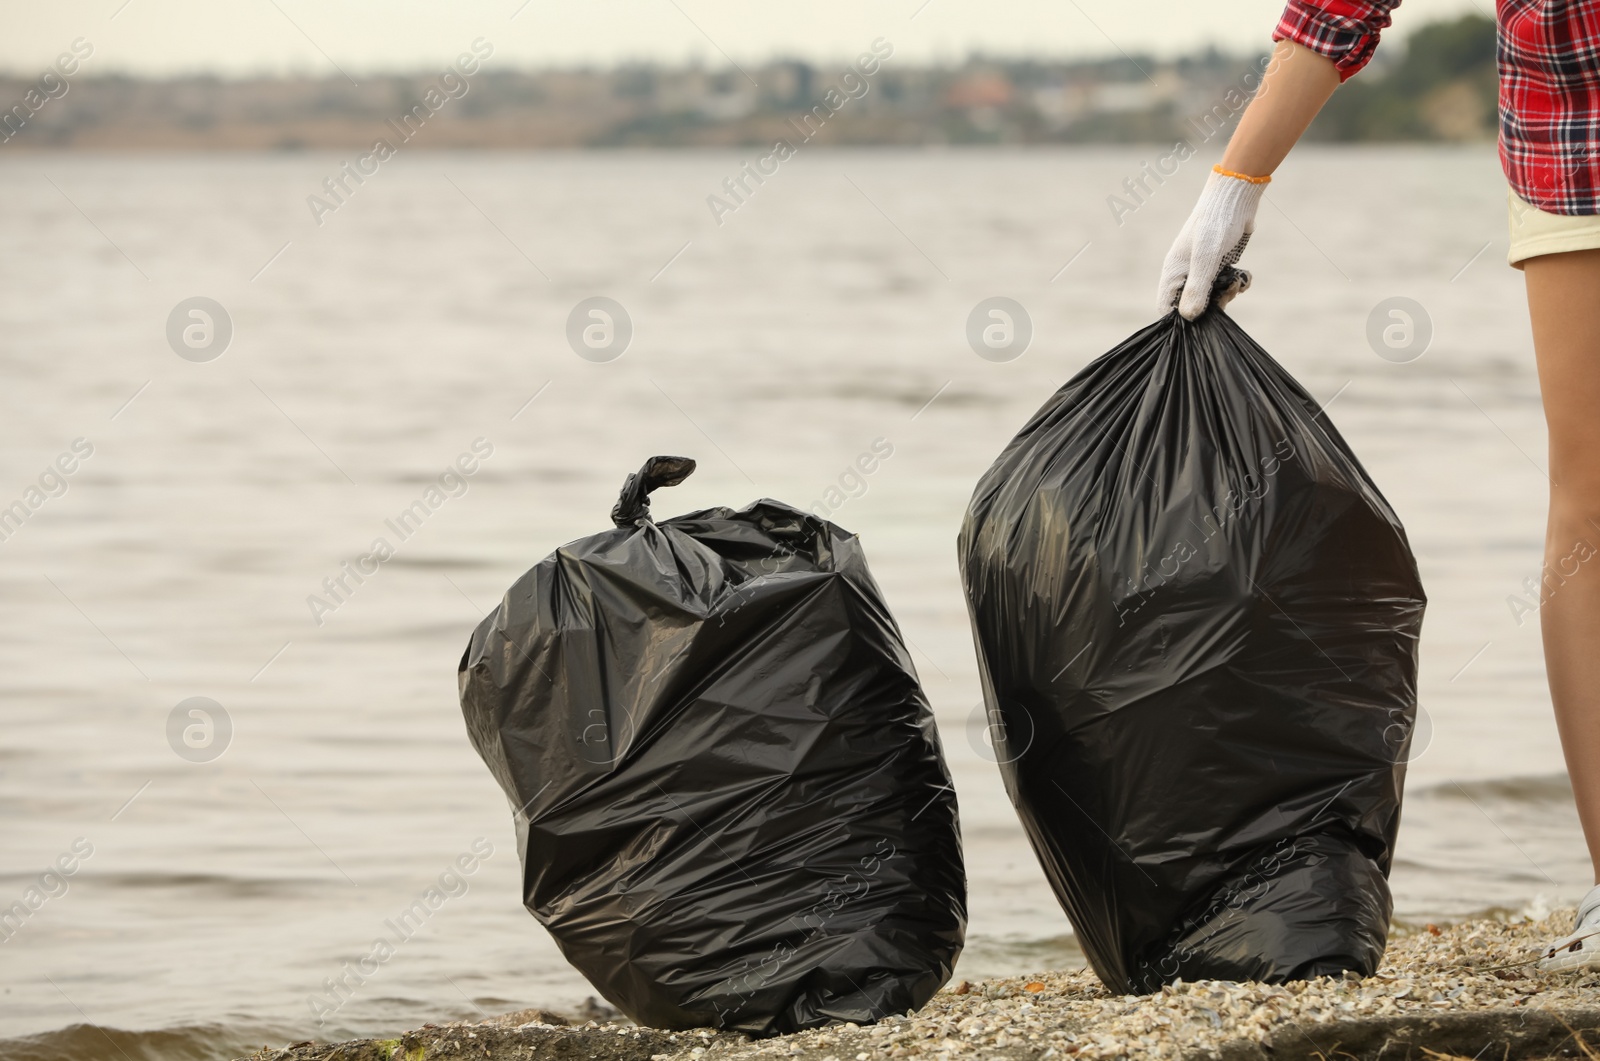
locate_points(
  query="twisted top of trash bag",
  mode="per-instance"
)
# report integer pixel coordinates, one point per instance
(1231, 282)
(634, 503)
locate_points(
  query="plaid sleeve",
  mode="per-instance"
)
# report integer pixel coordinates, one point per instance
(1345, 31)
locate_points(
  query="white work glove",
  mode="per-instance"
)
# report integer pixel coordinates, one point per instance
(1214, 236)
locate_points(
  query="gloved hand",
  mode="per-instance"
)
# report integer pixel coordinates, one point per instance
(1214, 236)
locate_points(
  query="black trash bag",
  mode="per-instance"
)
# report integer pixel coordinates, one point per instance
(1197, 623)
(731, 803)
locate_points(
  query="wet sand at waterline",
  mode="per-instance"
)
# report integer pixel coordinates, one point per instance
(370, 352)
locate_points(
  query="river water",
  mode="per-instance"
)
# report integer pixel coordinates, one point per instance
(428, 312)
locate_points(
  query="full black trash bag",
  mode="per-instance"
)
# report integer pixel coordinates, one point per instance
(1197, 622)
(730, 799)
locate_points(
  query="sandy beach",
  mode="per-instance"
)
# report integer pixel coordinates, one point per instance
(1444, 991)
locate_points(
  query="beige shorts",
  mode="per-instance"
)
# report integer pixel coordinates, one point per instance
(1535, 232)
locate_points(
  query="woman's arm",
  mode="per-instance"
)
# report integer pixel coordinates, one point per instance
(1296, 84)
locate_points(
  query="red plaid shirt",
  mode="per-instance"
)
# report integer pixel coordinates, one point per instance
(1549, 59)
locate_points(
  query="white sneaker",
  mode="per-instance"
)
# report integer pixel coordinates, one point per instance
(1581, 949)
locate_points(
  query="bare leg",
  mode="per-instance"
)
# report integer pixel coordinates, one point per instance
(1564, 303)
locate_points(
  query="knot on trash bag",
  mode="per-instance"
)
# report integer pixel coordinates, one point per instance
(634, 503)
(1231, 282)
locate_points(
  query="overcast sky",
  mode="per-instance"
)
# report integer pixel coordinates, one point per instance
(233, 37)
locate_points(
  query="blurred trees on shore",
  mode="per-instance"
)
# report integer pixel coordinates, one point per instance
(1436, 85)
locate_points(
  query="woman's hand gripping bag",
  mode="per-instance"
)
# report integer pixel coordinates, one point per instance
(731, 804)
(1197, 622)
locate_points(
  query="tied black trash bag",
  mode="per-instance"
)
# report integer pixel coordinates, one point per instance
(730, 799)
(1197, 622)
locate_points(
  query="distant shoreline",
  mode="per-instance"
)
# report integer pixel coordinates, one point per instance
(876, 100)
